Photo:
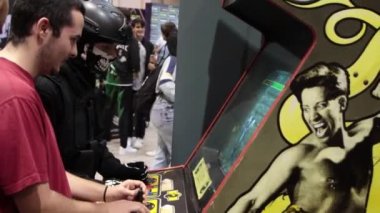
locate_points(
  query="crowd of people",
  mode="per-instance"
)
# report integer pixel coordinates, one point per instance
(143, 76)
(56, 113)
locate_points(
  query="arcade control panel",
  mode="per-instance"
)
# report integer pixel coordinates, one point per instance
(167, 192)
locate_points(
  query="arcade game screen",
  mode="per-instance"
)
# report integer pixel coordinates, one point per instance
(244, 113)
(189, 189)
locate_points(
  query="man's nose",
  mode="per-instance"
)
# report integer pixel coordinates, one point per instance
(314, 115)
(74, 51)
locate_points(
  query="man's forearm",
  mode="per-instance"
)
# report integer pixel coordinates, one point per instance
(83, 189)
(59, 203)
(40, 198)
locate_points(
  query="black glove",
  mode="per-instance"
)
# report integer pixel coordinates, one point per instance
(112, 168)
(134, 171)
(137, 171)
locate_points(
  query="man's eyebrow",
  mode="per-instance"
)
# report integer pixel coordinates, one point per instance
(76, 37)
(323, 101)
(319, 102)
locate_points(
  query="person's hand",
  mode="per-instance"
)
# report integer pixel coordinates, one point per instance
(153, 59)
(124, 206)
(127, 190)
(151, 66)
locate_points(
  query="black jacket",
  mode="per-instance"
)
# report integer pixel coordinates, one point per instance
(127, 67)
(75, 109)
(71, 102)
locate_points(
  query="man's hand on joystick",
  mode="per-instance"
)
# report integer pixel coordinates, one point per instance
(139, 196)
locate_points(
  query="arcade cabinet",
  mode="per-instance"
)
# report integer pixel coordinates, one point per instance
(261, 117)
(195, 185)
(338, 32)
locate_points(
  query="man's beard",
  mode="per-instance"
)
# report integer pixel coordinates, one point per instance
(45, 64)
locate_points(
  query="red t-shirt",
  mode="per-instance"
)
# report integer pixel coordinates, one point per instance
(28, 148)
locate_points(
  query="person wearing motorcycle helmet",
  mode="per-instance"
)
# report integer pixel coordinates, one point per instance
(75, 105)
(105, 27)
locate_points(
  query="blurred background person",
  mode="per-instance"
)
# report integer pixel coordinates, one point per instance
(161, 48)
(162, 114)
(132, 123)
(146, 96)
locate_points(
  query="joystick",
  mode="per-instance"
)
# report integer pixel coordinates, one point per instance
(140, 196)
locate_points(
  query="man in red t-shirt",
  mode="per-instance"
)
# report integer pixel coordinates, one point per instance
(32, 176)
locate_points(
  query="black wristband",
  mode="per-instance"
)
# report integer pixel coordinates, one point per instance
(104, 193)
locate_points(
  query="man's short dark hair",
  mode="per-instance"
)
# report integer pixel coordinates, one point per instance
(329, 75)
(26, 13)
(138, 21)
(168, 28)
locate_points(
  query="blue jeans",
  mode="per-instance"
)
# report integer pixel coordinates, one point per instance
(162, 116)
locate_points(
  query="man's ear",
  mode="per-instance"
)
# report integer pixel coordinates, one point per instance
(342, 102)
(43, 27)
